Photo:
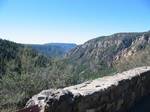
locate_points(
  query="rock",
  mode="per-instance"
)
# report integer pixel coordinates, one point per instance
(107, 94)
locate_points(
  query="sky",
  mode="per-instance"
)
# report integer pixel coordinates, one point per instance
(70, 21)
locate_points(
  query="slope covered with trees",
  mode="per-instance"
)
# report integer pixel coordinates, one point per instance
(16, 58)
(25, 71)
(109, 54)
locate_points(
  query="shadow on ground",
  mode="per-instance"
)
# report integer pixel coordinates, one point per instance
(142, 106)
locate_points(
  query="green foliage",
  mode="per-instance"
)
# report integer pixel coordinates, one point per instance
(8, 52)
(140, 58)
(24, 72)
(17, 89)
(18, 74)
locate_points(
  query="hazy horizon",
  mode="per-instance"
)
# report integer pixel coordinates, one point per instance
(65, 21)
(68, 42)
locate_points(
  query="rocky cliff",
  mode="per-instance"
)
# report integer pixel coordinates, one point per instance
(108, 94)
(109, 54)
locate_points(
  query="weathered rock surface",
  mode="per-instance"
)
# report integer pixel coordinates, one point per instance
(108, 94)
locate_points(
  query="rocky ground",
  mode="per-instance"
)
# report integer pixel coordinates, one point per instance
(116, 93)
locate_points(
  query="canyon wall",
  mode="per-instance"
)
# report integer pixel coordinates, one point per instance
(115, 93)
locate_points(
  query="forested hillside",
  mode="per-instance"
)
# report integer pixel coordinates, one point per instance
(25, 71)
(18, 59)
(110, 54)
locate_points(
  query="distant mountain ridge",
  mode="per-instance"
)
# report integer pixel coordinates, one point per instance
(25, 71)
(107, 54)
(54, 50)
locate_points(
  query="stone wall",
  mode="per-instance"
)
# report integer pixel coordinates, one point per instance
(108, 94)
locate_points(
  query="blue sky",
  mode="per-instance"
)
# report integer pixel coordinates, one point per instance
(73, 21)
